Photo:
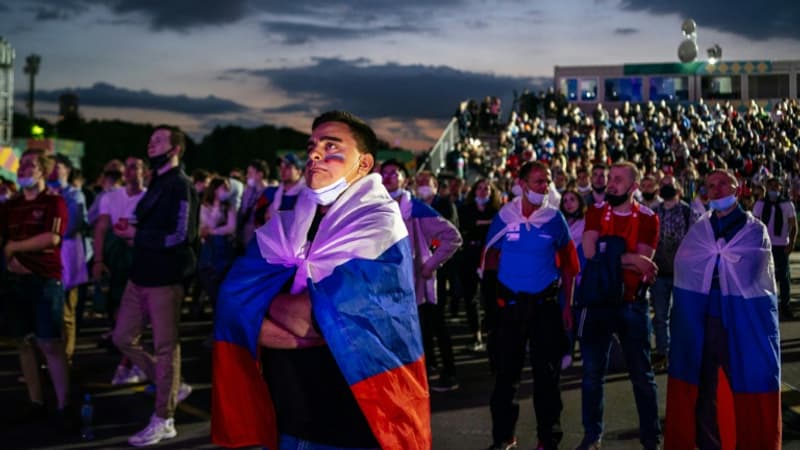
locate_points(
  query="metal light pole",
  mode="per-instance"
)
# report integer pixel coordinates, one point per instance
(32, 69)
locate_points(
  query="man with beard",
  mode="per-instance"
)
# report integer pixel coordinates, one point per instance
(629, 316)
(598, 180)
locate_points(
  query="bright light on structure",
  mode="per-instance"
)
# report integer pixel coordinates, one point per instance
(37, 131)
(714, 54)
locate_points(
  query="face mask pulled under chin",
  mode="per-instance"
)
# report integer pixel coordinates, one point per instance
(722, 204)
(158, 161)
(328, 194)
(535, 198)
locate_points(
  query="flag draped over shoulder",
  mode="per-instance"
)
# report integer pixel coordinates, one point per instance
(749, 315)
(358, 273)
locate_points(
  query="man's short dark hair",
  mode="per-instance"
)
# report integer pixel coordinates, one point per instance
(396, 163)
(200, 175)
(260, 166)
(363, 134)
(529, 167)
(596, 166)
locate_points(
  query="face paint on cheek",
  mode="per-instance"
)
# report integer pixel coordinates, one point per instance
(334, 157)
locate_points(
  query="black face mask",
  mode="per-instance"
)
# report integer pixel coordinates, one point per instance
(616, 200)
(158, 161)
(649, 196)
(668, 192)
(599, 190)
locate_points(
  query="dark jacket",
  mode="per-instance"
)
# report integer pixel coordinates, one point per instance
(163, 249)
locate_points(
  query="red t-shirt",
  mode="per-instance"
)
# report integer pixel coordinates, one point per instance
(621, 225)
(22, 219)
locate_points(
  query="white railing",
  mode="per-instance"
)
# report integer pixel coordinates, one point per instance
(435, 161)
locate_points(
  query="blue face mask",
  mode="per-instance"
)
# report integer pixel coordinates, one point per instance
(722, 204)
(482, 200)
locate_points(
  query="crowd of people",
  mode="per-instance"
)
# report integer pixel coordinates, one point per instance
(558, 230)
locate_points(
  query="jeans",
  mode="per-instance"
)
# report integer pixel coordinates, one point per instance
(288, 442)
(661, 294)
(631, 322)
(781, 260)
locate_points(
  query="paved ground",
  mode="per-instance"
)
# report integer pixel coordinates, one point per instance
(460, 419)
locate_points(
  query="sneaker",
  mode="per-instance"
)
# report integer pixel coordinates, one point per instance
(184, 392)
(157, 430)
(125, 375)
(444, 384)
(589, 444)
(508, 445)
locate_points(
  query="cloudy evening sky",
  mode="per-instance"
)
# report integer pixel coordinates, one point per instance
(403, 65)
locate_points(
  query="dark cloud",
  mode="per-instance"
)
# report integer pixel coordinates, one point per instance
(386, 90)
(241, 121)
(291, 108)
(293, 33)
(106, 95)
(3, 7)
(626, 31)
(757, 20)
(182, 15)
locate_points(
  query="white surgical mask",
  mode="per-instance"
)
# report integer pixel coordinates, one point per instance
(534, 197)
(327, 195)
(223, 196)
(396, 194)
(482, 200)
(584, 189)
(722, 204)
(26, 182)
(424, 192)
(251, 182)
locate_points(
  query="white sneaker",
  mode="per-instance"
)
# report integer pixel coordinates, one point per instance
(184, 392)
(125, 375)
(157, 430)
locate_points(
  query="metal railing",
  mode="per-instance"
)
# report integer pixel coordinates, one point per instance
(435, 161)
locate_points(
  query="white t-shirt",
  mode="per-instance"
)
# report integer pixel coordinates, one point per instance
(788, 213)
(118, 204)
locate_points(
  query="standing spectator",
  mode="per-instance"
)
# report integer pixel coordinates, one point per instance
(284, 197)
(162, 237)
(628, 317)
(31, 229)
(113, 256)
(332, 300)
(599, 179)
(536, 257)
(674, 217)
(778, 214)
(218, 235)
(433, 241)
(257, 173)
(649, 192)
(724, 319)
(73, 249)
(475, 216)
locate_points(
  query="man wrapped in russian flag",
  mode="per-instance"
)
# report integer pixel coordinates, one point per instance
(724, 367)
(317, 340)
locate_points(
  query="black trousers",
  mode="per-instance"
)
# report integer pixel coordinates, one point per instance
(537, 322)
(432, 324)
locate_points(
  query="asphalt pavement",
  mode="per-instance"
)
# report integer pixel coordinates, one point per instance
(460, 419)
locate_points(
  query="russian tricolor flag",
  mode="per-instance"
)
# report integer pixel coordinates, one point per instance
(748, 397)
(359, 275)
